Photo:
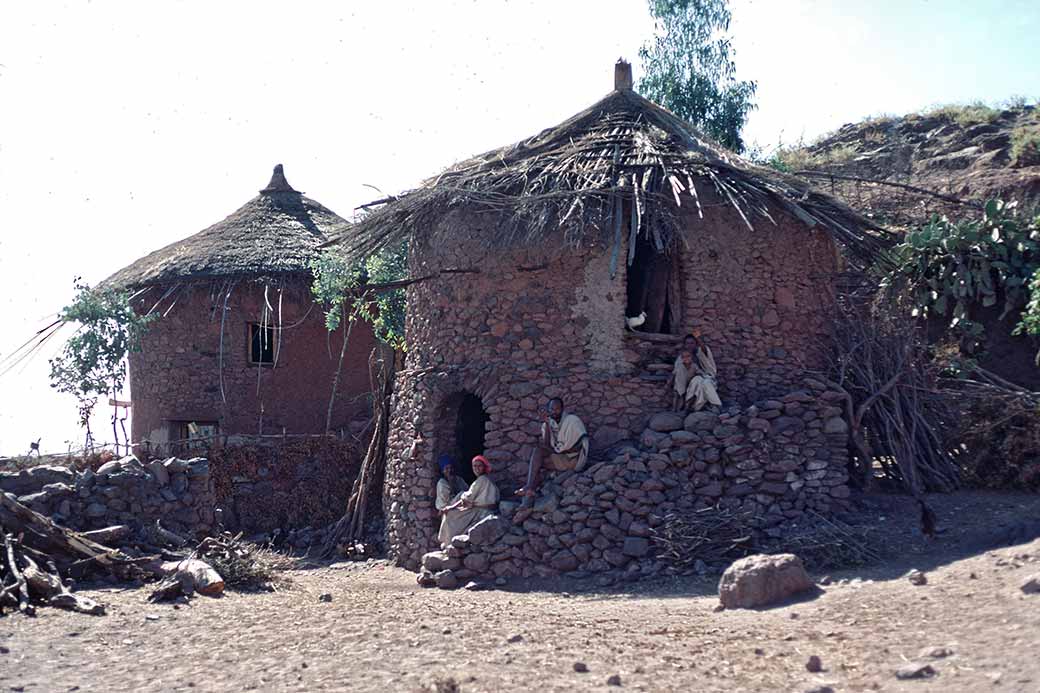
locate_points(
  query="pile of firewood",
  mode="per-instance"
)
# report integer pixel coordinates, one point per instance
(38, 557)
(711, 535)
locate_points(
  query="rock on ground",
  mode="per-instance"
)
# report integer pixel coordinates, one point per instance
(762, 580)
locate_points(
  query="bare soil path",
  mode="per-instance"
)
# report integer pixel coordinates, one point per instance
(382, 632)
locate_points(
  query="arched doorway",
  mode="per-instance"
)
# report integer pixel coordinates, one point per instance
(460, 428)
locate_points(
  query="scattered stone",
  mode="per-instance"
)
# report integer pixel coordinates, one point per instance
(446, 580)
(759, 651)
(325, 597)
(614, 680)
(761, 580)
(821, 688)
(1031, 584)
(915, 670)
(515, 638)
(581, 667)
(916, 577)
(935, 652)
(814, 664)
(477, 585)
(151, 617)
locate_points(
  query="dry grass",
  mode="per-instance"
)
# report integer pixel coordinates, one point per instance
(964, 115)
(1025, 145)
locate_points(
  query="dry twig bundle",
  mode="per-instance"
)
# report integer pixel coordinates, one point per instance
(712, 535)
(350, 528)
(898, 415)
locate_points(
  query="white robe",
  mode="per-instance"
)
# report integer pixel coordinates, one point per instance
(448, 492)
(699, 384)
(564, 435)
(456, 522)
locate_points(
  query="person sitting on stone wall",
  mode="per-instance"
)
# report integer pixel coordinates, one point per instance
(474, 504)
(562, 444)
(450, 485)
(694, 376)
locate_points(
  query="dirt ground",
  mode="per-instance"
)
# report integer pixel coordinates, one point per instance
(381, 631)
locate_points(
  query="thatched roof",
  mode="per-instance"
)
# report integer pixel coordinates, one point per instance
(276, 233)
(571, 179)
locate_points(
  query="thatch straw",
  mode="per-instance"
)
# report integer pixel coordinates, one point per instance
(571, 179)
(276, 233)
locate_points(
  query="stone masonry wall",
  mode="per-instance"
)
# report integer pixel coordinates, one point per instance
(176, 376)
(516, 327)
(772, 460)
(124, 492)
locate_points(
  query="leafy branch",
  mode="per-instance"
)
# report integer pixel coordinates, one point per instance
(93, 360)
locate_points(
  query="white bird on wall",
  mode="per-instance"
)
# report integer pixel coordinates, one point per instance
(633, 323)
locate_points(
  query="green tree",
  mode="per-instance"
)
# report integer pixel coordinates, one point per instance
(688, 68)
(92, 363)
(388, 265)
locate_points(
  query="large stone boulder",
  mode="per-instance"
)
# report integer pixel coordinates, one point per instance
(487, 531)
(666, 422)
(762, 580)
(701, 421)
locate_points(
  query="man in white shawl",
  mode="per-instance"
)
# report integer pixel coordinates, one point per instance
(694, 376)
(475, 503)
(563, 444)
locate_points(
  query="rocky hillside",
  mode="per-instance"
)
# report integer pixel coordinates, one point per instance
(965, 152)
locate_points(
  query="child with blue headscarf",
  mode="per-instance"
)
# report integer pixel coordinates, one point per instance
(450, 485)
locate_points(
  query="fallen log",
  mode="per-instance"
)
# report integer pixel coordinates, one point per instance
(36, 554)
(183, 578)
(113, 535)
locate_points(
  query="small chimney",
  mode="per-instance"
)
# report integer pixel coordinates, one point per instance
(278, 182)
(622, 75)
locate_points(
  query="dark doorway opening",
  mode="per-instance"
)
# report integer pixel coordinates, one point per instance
(652, 288)
(470, 426)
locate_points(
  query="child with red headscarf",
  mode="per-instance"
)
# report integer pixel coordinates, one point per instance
(479, 501)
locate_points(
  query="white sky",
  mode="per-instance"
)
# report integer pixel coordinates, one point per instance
(125, 126)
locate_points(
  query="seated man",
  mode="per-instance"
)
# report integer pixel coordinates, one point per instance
(473, 505)
(693, 377)
(450, 485)
(563, 444)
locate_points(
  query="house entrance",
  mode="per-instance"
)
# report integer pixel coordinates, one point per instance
(653, 288)
(460, 430)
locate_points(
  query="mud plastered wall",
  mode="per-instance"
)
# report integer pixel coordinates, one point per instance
(515, 327)
(176, 377)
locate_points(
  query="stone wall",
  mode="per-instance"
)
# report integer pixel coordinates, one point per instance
(772, 460)
(124, 492)
(176, 377)
(515, 327)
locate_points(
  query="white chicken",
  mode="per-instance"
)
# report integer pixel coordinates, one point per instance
(634, 322)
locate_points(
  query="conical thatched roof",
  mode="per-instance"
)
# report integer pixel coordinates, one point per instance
(573, 178)
(276, 233)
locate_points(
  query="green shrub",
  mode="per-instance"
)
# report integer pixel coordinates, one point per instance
(945, 269)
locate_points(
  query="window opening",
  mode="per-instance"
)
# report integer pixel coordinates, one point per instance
(193, 435)
(261, 343)
(652, 277)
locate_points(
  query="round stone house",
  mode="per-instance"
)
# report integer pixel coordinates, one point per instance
(527, 261)
(238, 346)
